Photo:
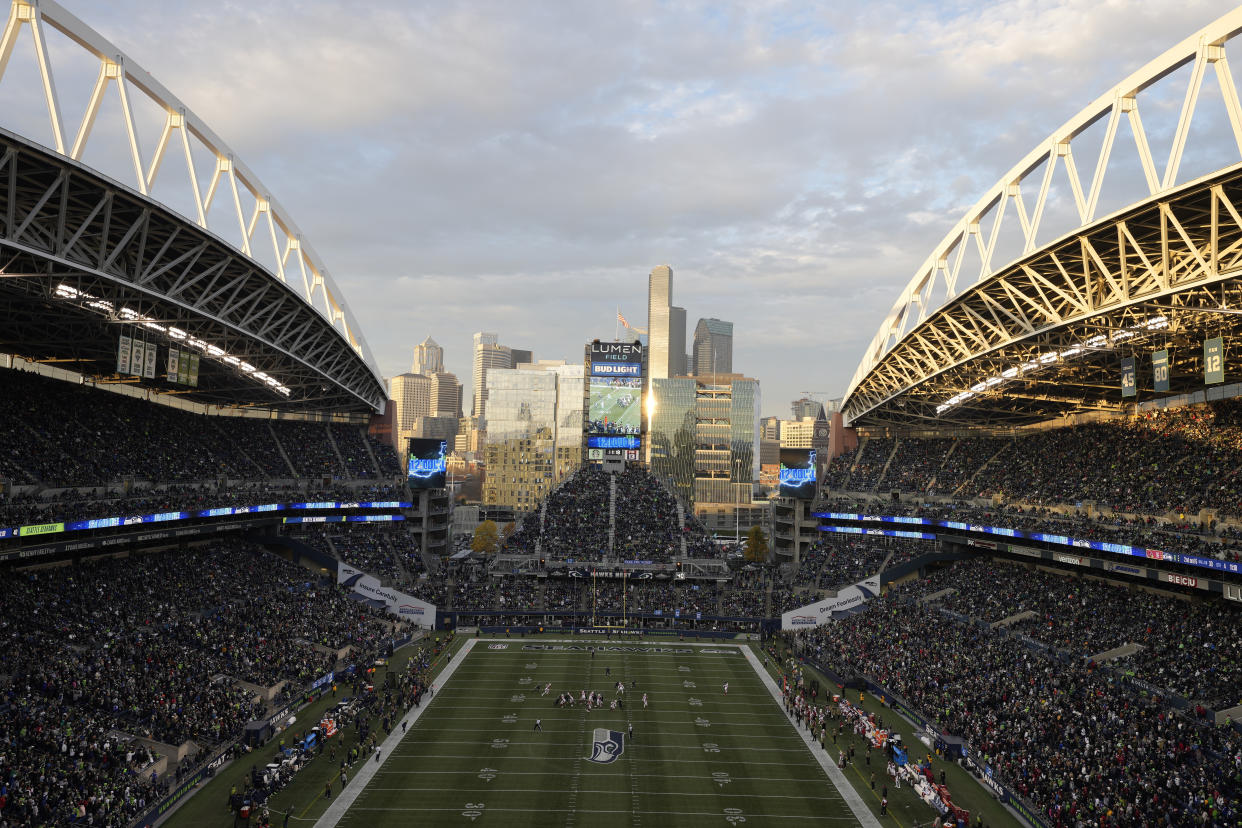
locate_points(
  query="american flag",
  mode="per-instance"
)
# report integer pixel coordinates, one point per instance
(621, 319)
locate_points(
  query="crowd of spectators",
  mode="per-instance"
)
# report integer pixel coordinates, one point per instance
(1082, 746)
(647, 522)
(167, 663)
(575, 520)
(1178, 460)
(1188, 648)
(60, 434)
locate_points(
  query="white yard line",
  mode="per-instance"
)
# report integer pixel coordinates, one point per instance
(851, 797)
(369, 766)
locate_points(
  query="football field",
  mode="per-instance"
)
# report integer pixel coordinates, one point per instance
(694, 756)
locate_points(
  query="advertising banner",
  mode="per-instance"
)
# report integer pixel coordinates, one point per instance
(174, 360)
(406, 607)
(821, 612)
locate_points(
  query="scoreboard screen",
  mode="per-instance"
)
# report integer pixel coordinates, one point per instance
(427, 464)
(798, 473)
(616, 391)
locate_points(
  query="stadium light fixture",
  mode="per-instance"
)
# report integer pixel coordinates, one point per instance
(131, 316)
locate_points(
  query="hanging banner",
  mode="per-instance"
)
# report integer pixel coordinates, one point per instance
(183, 368)
(137, 356)
(1213, 360)
(821, 612)
(1160, 370)
(1128, 388)
(194, 370)
(148, 368)
(406, 607)
(174, 362)
(122, 354)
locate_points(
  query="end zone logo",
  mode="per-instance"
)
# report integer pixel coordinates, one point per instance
(497, 646)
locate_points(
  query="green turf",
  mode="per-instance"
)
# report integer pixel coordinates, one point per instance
(698, 757)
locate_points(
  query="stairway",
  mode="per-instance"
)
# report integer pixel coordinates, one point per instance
(612, 513)
(340, 458)
(293, 472)
(880, 480)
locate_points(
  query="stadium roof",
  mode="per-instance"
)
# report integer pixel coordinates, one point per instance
(86, 260)
(1051, 332)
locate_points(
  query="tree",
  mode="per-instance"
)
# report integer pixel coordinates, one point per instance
(508, 531)
(486, 538)
(756, 545)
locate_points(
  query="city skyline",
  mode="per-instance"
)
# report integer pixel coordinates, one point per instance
(521, 171)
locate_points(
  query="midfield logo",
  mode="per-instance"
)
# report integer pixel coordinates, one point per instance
(607, 746)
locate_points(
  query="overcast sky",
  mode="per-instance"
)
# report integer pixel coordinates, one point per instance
(519, 167)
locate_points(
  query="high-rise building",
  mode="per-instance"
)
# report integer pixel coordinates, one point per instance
(521, 357)
(428, 358)
(488, 354)
(445, 395)
(411, 396)
(534, 431)
(797, 434)
(712, 352)
(771, 428)
(805, 407)
(659, 304)
(704, 437)
(678, 360)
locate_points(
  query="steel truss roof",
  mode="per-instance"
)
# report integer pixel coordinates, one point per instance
(298, 274)
(1046, 336)
(127, 259)
(1104, 276)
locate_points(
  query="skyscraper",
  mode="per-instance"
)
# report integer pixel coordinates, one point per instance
(677, 359)
(705, 437)
(445, 395)
(411, 396)
(488, 354)
(534, 431)
(428, 358)
(713, 348)
(659, 305)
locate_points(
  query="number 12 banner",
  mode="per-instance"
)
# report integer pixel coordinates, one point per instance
(1213, 360)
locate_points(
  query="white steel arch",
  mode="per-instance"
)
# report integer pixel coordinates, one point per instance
(266, 223)
(941, 272)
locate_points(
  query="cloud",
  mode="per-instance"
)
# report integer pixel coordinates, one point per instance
(521, 167)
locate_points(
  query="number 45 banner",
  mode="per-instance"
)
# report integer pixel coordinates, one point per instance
(1213, 360)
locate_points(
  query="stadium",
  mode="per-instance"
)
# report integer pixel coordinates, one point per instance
(1012, 600)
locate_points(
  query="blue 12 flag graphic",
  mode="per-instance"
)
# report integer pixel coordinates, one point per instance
(607, 746)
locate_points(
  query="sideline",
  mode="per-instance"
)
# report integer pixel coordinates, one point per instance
(861, 812)
(342, 803)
